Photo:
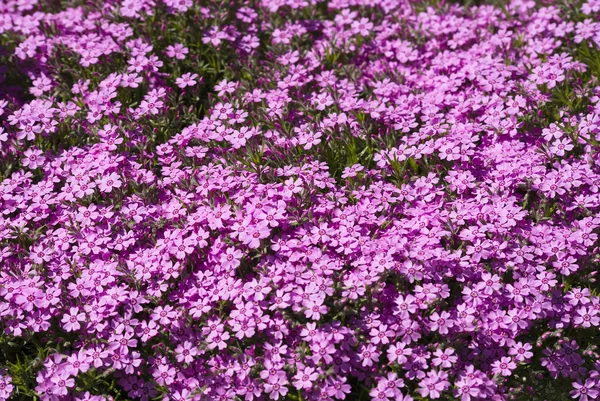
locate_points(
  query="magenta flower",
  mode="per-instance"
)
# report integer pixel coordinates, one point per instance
(61, 383)
(277, 389)
(177, 51)
(587, 317)
(33, 158)
(187, 79)
(186, 352)
(304, 379)
(504, 366)
(314, 309)
(164, 374)
(559, 147)
(6, 386)
(164, 315)
(431, 387)
(109, 182)
(521, 352)
(586, 391)
(466, 389)
(444, 358)
(71, 320)
(369, 355)
(441, 322)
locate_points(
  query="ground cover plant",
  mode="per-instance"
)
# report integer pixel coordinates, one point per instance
(299, 200)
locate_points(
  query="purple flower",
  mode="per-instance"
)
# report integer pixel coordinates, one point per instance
(187, 79)
(504, 366)
(71, 320)
(585, 391)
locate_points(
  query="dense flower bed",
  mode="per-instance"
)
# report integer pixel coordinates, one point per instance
(299, 200)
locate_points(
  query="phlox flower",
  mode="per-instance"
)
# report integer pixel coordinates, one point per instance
(586, 317)
(369, 355)
(466, 389)
(305, 378)
(504, 366)
(164, 315)
(186, 352)
(215, 37)
(109, 182)
(444, 358)
(71, 321)
(61, 382)
(559, 147)
(177, 51)
(520, 351)
(586, 391)
(33, 158)
(187, 79)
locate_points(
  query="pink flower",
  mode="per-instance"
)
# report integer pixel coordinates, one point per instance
(559, 147)
(292, 187)
(504, 366)
(33, 158)
(40, 85)
(322, 101)
(224, 87)
(107, 183)
(441, 322)
(276, 351)
(304, 379)
(578, 296)
(151, 104)
(270, 215)
(238, 138)
(79, 362)
(137, 64)
(131, 80)
(182, 247)
(586, 391)
(253, 234)
(308, 138)
(186, 352)
(314, 309)
(215, 37)
(431, 387)
(369, 355)
(586, 317)
(553, 76)
(399, 353)
(244, 328)
(275, 390)
(231, 258)
(352, 171)
(186, 79)
(164, 375)
(71, 320)
(381, 393)
(520, 351)
(164, 315)
(218, 340)
(444, 358)
(28, 131)
(177, 51)
(513, 106)
(61, 382)
(147, 330)
(257, 290)
(466, 388)
(6, 386)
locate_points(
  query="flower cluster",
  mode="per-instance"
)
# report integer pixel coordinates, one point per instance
(292, 200)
